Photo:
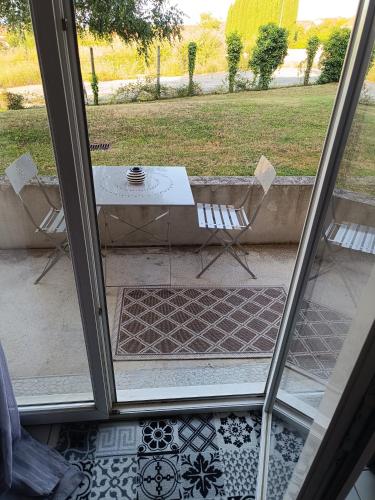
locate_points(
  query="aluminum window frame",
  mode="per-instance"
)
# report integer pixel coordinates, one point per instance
(56, 42)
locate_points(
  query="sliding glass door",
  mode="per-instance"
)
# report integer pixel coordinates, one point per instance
(322, 368)
(54, 326)
(62, 363)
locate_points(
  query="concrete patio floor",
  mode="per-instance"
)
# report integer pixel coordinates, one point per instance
(47, 358)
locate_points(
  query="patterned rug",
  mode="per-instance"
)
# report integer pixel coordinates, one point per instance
(185, 323)
(187, 457)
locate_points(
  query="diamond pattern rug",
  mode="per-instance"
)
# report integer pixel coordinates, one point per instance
(204, 322)
(228, 322)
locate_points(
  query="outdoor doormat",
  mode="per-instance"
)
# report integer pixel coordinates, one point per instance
(190, 323)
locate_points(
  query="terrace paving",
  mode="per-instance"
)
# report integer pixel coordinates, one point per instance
(47, 357)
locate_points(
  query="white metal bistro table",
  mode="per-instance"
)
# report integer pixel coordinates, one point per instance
(163, 187)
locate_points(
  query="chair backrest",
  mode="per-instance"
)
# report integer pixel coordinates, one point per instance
(21, 171)
(265, 173)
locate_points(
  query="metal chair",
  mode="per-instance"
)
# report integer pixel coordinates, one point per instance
(222, 220)
(352, 236)
(53, 224)
(338, 235)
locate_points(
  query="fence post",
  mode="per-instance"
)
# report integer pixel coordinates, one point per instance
(92, 61)
(158, 72)
(94, 79)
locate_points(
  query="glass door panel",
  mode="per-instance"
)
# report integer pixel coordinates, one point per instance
(333, 321)
(171, 331)
(327, 337)
(41, 328)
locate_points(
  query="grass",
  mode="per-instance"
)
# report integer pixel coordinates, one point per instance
(210, 135)
(116, 60)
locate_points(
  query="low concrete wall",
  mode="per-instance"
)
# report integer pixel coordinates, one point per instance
(280, 220)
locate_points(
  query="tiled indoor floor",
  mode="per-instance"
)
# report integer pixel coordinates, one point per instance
(104, 450)
(185, 457)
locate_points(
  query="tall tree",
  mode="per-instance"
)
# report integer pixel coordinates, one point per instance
(138, 21)
(246, 16)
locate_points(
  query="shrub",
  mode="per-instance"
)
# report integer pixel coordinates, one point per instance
(3, 100)
(145, 90)
(192, 55)
(234, 50)
(14, 101)
(242, 83)
(186, 90)
(311, 50)
(141, 90)
(95, 88)
(371, 62)
(333, 55)
(268, 54)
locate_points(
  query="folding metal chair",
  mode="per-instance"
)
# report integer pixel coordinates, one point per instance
(222, 220)
(53, 224)
(342, 235)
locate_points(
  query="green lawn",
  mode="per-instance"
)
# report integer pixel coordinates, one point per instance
(210, 135)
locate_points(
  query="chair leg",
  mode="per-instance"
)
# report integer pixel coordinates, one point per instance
(211, 262)
(233, 253)
(54, 258)
(60, 250)
(243, 250)
(207, 241)
(227, 247)
(236, 242)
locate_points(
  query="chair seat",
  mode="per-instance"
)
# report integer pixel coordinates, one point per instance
(212, 216)
(353, 236)
(54, 222)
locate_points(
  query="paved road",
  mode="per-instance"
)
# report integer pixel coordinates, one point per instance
(209, 83)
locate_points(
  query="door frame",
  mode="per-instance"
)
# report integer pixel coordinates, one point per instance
(56, 42)
(55, 34)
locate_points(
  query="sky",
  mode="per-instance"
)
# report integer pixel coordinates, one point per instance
(308, 9)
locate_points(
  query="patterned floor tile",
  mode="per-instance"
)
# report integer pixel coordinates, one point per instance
(197, 433)
(117, 439)
(279, 475)
(159, 477)
(84, 489)
(286, 447)
(189, 457)
(286, 444)
(202, 476)
(77, 441)
(240, 471)
(158, 436)
(114, 478)
(239, 497)
(238, 430)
